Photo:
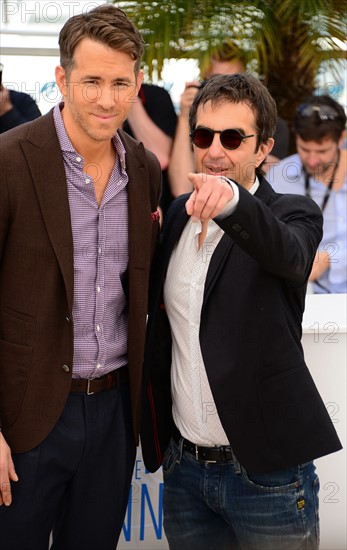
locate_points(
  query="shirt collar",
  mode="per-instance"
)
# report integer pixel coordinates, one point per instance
(255, 186)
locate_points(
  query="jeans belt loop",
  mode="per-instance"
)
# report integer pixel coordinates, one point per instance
(180, 448)
(236, 463)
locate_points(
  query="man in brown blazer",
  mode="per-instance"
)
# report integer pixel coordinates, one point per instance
(78, 230)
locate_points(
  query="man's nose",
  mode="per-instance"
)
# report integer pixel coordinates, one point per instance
(107, 97)
(216, 148)
(312, 160)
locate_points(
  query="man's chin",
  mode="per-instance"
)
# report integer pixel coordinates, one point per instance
(101, 136)
(314, 172)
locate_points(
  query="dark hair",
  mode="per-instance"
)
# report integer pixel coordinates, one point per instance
(106, 24)
(240, 88)
(311, 124)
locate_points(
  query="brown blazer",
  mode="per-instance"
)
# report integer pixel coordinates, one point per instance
(37, 274)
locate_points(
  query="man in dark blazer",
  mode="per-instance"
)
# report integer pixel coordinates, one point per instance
(16, 108)
(78, 230)
(228, 398)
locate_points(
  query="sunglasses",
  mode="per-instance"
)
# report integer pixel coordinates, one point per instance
(230, 139)
(323, 112)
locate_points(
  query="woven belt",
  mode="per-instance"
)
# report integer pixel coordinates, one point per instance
(220, 453)
(95, 385)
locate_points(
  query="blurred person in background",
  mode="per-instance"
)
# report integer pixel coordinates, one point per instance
(152, 120)
(15, 107)
(319, 170)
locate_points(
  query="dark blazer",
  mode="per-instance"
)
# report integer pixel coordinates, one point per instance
(37, 274)
(24, 109)
(250, 335)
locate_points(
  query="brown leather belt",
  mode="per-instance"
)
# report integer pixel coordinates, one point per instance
(220, 453)
(95, 385)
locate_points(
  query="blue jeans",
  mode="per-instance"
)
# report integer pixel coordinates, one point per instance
(220, 506)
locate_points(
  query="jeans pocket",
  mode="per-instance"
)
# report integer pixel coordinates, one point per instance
(277, 481)
(170, 459)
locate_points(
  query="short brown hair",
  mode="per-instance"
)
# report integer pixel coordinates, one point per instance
(318, 118)
(106, 24)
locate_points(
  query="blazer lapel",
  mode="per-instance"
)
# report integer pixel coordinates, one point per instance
(174, 224)
(44, 158)
(219, 256)
(139, 209)
(178, 218)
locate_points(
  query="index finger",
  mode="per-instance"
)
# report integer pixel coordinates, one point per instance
(5, 493)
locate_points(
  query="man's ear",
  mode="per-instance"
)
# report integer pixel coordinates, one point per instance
(264, 150)
(60, 78)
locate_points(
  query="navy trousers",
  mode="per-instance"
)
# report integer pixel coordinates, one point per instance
(75, 484)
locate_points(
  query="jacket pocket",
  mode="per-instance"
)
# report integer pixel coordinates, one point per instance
(15, 363)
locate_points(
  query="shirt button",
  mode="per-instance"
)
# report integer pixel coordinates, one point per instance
(98, 328)
(98, 366)
(99, 249)
(98, 289)
(87, 181)
(66, 368)
(78, 159)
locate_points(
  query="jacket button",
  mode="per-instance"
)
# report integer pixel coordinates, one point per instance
(66, 368)
(68, 319)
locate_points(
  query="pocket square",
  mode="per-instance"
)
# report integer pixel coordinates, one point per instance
(155, 216)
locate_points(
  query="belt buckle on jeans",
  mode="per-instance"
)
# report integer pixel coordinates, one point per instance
(88, 387)
(204, 459)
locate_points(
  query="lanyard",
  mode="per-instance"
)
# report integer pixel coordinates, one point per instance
(329, 188)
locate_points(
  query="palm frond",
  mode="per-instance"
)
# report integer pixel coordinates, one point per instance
(284, 41)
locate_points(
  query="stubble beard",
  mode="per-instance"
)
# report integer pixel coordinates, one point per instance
(96, 135)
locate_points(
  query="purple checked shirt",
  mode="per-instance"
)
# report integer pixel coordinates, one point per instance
(100, 246)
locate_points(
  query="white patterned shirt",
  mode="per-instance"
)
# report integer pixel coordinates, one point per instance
(194, 410)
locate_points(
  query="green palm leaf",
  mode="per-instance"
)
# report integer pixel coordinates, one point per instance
(285, 41)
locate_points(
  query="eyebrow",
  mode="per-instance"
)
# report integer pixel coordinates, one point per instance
(308, 150)
(117, 79)
(240, 130)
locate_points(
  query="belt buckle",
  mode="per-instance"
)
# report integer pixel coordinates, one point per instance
(88, 387)
(204, 459)
(211, 461)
